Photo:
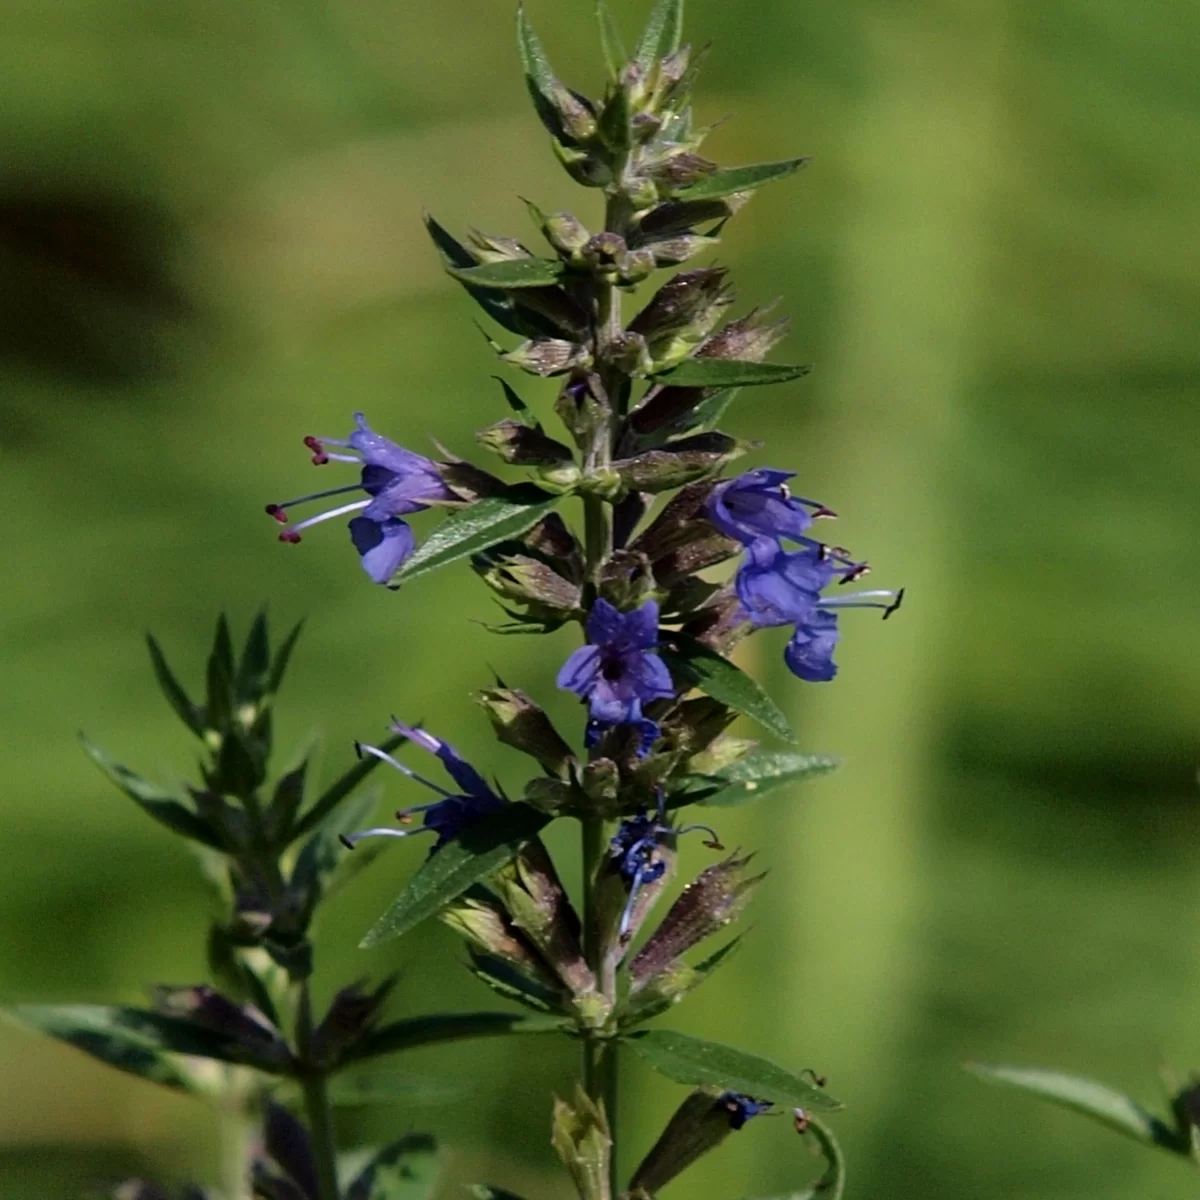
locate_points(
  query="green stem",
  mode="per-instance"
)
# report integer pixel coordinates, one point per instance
(316, 1103)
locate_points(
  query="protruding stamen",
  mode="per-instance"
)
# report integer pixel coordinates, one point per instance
(276, 511)
(329, 516)
(319, 457)
(872, 599)
(290, 536)
(714, 842)
(273, 509)
(887, 612)
(350, 840)
(361, 748)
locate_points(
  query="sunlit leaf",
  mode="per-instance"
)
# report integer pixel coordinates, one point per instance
(664, 28)
(730, 373)
(727, 180)
(699, 1063)
(764, 772)
(511, 273)
(190, 714)
(610, 40)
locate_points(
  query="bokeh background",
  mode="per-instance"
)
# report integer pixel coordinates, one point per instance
(210, 245)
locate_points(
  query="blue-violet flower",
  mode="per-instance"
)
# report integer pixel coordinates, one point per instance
(758, 504)
(397, 482)
(447, 817)
(742, 1107)
(783, 587)
(619, 671)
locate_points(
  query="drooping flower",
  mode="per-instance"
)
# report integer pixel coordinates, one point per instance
(396, 481)
(783, 587)
(636, 851)
(619, 670)
(758, 504)
(742, 1107)
(447, 817)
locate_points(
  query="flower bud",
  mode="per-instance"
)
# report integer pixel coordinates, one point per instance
(681, 540)
(627, 352)
(671, 251)
(601, 781)
(748, 339)
(352, 1014)
(634, 83)
(575, 112)
(680, 171)
(582, 406)
(582, 1140)
(713, 900)
(636, 266)
(523, 445)
(566, 233)
(479, 917)
(520, 723)
(606, 253)
(686, 307)
(700, 1124)
(679, 462)
(548, 598)
(682, 216)
(491, 248)
(721, 623)
(548, 356)
(626, 580)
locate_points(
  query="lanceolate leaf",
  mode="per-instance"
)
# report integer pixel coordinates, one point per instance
(610, 40)
(730, 373)
(132, 1039)
(727, 180)
(699, 1063)
(1095, 1100)
(190, 714)
(662, 34)
(760, 773)
(468, 859)
(449, 1027)
(405, 1170)
(512, 273)
(720, 679)
(708, 413)
(485, 523)
(538, 73)
(151, 799)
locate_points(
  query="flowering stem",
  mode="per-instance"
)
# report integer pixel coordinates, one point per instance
(316, 1103)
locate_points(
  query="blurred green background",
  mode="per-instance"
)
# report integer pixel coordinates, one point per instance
(210, 246)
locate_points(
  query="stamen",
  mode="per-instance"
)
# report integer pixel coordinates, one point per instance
(319, 457)
(350, 840)
(361, 748)
(887, 612)
(276, 511)
(273, 509)
(872, 599)
(328, 516)
(290, 536)
(715, 838)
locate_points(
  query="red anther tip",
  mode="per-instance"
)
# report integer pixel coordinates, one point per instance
(823, 512)
(290, 536)
(320, 458)
(404, 818)
(715, 845)
(801, 1119)
(273, 510)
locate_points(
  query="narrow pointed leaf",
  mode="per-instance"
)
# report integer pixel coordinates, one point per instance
(256, 661)
(709, 412)
(727, 180)
(694, 1061)
(473, 529)
(538, 72)
(190, 714)
(468, 859)
(664, 27)
(218, 704)
(699, 1063)
(730, 373)
(341, 788)
(449, 1027)
(1086, 1096)
(610, 40)
(131, 1039)
(761, 773)
(404, 1170)
(282, 657)
(719, 678)
(512, 273)
(153, 800)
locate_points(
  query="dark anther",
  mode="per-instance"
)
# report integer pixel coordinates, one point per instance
(895, 604)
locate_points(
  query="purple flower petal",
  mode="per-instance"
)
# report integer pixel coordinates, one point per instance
(383, 547)
(579, 672)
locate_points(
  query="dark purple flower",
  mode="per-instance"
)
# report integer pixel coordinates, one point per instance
(636, 850)
(396, 481)
(741, 1107)
(618, 671)
(783, 587)
(758, 505)
(447, 817)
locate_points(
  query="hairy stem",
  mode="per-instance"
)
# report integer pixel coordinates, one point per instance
(316, 1103)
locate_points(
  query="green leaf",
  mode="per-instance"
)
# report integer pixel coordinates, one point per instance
(511, 273)
(534, 63)
(218, 712)
(832, 1184)
(488, 521)
(449, 1027)
(255, 662)
(404, 1170)
(153, 800)
(758, 774)
(468, 859)
(190, 714)
(699, 1063)
(664, 29)
(615, 124)
(727, 180)
(341, 788)
(730, 373)
(282, 657)
(610, 40)
(719, 678)
(1095, 1100)
(130, 1039)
